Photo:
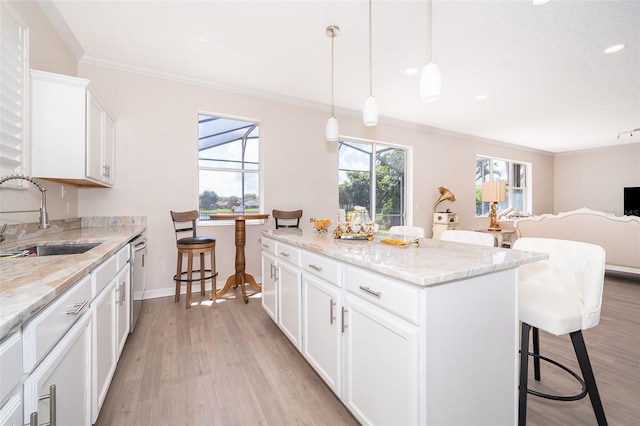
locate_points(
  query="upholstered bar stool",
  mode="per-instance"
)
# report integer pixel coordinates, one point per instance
(560, 295)
(468, 237)
(185, 222)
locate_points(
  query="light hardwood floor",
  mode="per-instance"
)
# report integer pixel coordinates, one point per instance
(230, 365)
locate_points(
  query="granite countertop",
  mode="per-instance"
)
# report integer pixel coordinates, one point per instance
(433, 262)
(27, 284)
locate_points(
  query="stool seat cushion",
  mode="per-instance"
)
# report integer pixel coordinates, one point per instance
(557, 312)
(196, 240)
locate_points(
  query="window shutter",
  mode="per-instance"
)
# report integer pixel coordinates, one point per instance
(14, 79)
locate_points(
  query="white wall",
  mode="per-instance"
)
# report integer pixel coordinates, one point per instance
(595, 178)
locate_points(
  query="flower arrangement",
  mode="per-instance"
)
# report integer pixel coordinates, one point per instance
(321, 226)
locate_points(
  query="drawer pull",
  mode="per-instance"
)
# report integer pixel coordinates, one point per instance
(79, 307)
(285, 254)
(316, 267)
(343, 323)
(332, 317)
(371, 292)
(51, 396)
(265, 245)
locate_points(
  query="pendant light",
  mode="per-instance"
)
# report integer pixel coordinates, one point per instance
(370, 109)
(430, 79)
(332, 130)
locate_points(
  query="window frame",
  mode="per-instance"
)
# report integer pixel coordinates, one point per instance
(511, 187)
(259, 170)
(407, 215)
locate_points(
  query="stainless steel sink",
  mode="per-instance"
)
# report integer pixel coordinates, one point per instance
(59, 249)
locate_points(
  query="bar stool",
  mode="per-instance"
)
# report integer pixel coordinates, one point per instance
(561, 295)
(190, 246)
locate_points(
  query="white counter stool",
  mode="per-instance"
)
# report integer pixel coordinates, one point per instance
(561, 295)
(468, 237)
(185, 222)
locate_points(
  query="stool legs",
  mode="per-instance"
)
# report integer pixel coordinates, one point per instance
(587, 374)
(189, 252)
(524, 370)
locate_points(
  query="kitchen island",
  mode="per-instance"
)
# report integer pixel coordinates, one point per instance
(402, 335)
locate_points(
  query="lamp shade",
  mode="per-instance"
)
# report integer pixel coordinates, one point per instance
(430, 82)
(494, 191)
(370, 111)
(332, 130)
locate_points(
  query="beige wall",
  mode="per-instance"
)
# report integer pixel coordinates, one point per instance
(156, 150)
(596, 178)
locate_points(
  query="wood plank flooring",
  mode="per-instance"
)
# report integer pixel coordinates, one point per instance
(229, 364)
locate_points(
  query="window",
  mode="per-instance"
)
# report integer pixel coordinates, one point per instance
(14, 67)
(515, 174)
(229, 165)
(373, 175)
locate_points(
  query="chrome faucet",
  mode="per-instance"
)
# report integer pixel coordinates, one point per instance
(44, 215)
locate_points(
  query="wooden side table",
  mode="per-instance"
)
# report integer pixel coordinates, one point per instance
(240, 277)
(501, 236)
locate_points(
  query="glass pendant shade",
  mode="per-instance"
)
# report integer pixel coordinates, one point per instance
(370, 111)
(332, 129)
(430, 82)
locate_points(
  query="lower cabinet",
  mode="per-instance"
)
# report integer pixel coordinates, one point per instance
(123, 308)
(322, 330)
(381, 365)
(269, 283)
(104, 357)
(59, 385)
(289, 298)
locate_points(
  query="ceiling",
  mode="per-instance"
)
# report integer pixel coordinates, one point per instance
(548, 84)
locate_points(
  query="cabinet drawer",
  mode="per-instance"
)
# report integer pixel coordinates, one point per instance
(122, 257)
(103, 274)
(390, 294)
(268, 246)
(42, 333)
(289, 253)
(322, 266)
(10, 364)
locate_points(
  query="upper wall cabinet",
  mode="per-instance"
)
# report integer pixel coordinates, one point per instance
(73, 137)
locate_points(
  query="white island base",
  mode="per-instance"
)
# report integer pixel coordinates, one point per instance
(403, 336)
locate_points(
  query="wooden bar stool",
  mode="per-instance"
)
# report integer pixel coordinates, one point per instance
(190, 246)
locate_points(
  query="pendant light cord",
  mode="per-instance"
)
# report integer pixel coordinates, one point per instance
(430, 32)
(370, 55)
(332, 103)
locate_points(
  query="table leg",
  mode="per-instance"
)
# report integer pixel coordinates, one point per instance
(240, 277)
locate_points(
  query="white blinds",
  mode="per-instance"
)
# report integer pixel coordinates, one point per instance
(14, 78)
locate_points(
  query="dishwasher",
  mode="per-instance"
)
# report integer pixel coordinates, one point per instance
(138, 253)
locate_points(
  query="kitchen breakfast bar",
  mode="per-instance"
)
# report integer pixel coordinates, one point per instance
(402, 335)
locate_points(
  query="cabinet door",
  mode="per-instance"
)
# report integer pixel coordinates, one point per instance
(11, 413)
(123, 308)
(322, 342)
(269, 296)
(289, 301)
(94, 138)
(103, 347)
(68, 368)
(381, 365)
(109, 151)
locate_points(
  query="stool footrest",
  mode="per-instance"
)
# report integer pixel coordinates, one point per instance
(184, 280)
(575, 397)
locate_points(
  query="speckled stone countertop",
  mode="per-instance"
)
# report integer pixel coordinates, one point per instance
(433, 262)
(27, 284)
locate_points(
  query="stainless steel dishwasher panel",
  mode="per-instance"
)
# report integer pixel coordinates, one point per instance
(138, 259)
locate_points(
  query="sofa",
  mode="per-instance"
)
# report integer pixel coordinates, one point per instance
(618, 235)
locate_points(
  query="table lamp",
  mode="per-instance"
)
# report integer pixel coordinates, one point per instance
(494, 193)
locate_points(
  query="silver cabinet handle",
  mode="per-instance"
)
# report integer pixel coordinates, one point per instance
(332, 317)
(343, 323)
(371, 292)
(51, 396)
(121, 293)
(285, 254)
(79, 307)
(265, 245)
(33, 419)
(316, 267)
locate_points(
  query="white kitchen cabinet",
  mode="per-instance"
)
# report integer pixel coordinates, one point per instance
(123, 308)
(10, 380)
(73, 137)
(269, 284)
(104, 357)
(322, 323)
(381, 365)
(289, 301)
(11, 413)
(67, 370)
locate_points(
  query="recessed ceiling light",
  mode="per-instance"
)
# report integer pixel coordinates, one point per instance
(203, 36)
(411, 71)
(613, 49)
(481, 97)
(539, 2)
